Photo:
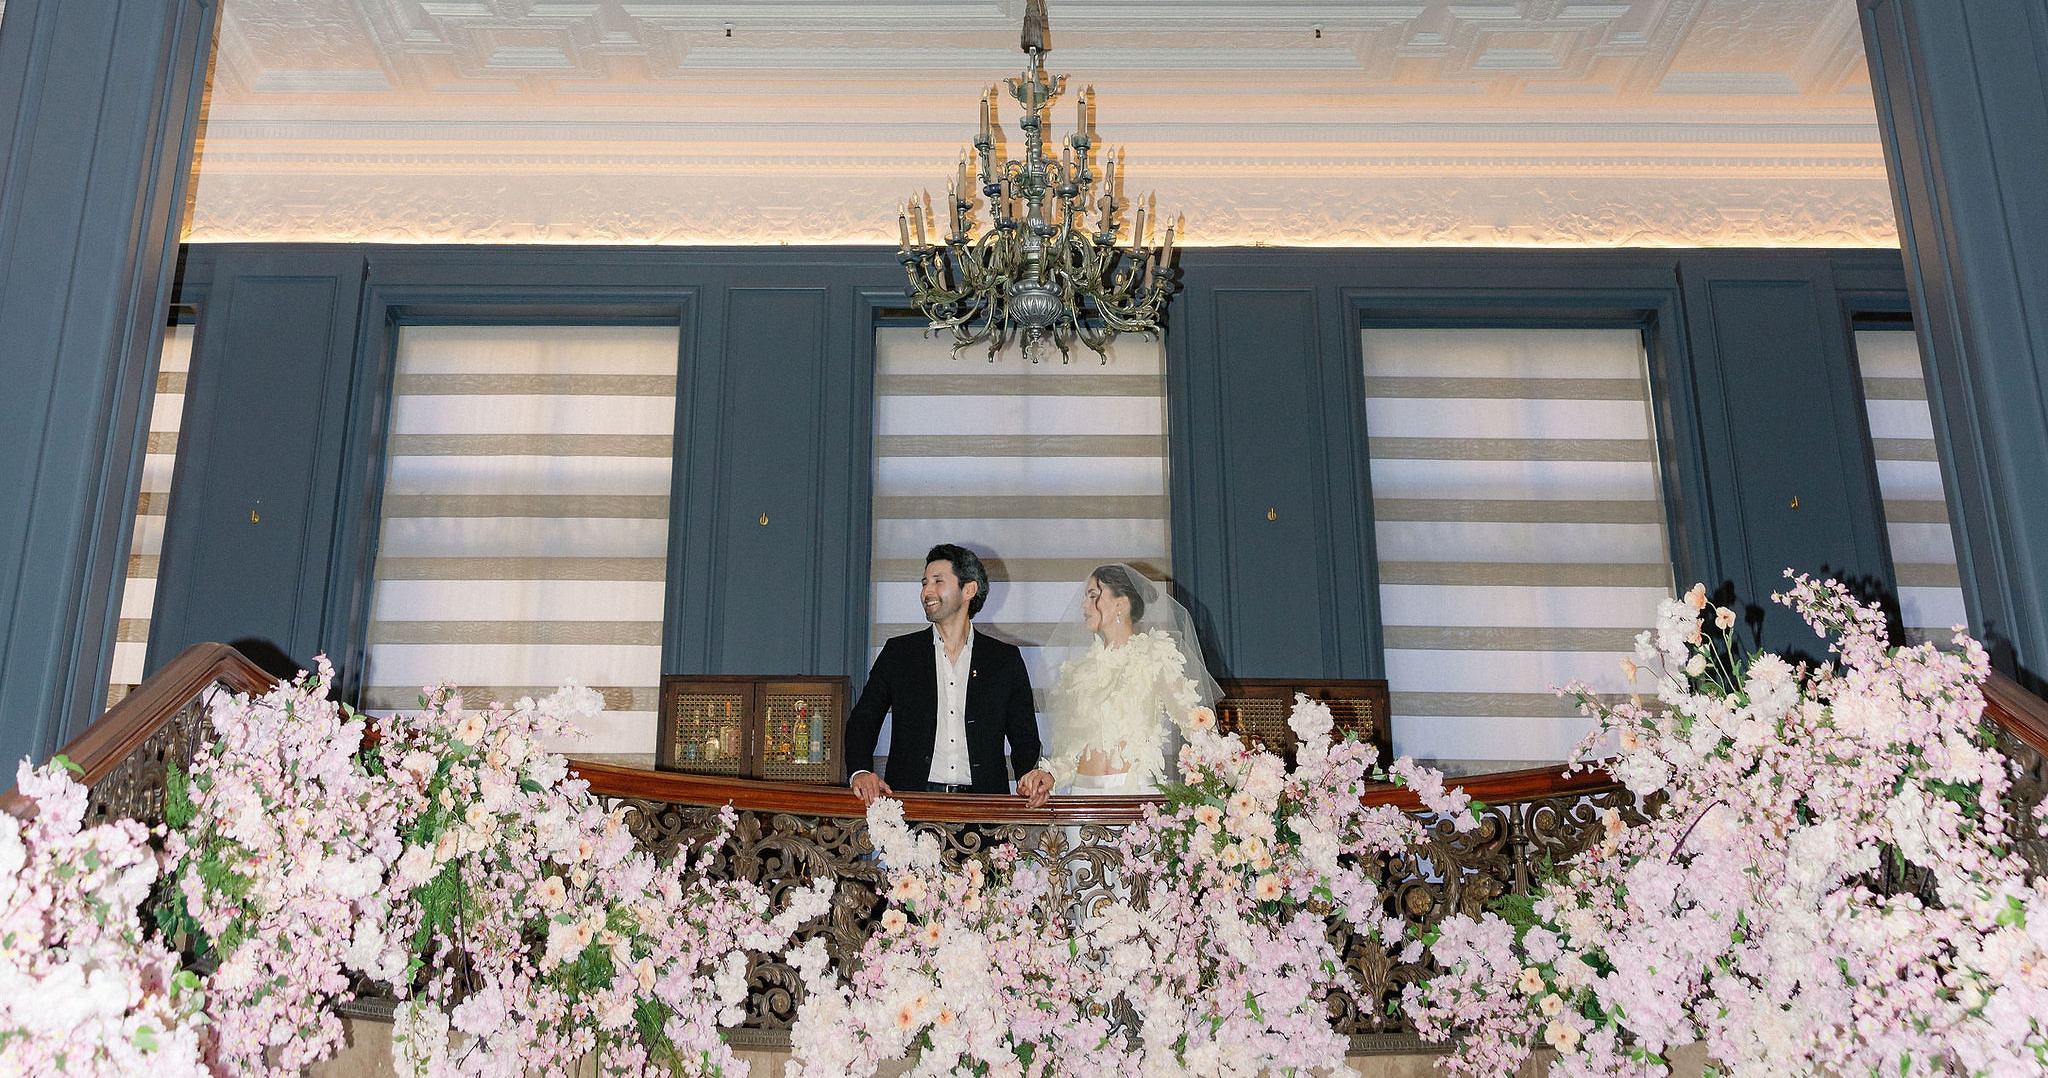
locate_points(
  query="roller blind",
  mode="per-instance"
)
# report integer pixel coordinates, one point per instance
(524, 531)
(1045, 470)
(1909, 479)
(152, 500)
(1521, 530)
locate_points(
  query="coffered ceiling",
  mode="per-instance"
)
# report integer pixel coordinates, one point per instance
(1312, 122)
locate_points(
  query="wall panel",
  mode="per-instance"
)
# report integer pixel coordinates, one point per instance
(1748, 356)
(248, 543)
(1789, 464)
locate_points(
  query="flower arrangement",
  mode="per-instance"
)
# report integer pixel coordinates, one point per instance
(1748, 912)
(279, 846)
(1213, 959)
(1228, 961)
(82, 990)
(552, 936)
(449, 858)
(963, 969)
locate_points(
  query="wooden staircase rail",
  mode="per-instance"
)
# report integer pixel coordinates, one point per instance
(120, 732)
(753, 795)
(2022, 714)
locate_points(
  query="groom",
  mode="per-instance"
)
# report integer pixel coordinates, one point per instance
(957, 695)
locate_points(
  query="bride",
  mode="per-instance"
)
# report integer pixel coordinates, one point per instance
(1133, 672)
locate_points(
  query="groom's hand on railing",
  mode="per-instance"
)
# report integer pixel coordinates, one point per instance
(1035, 787)
(867, 786)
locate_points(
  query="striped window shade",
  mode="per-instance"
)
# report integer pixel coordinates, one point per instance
(524, 537)
(1521, 530)
(146, 542)
(1909, 479)
(1046, 470)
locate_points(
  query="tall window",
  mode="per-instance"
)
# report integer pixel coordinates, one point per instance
(1521, 530)
(146, 543)
(524, 537)
(1909, 479)
(1046, 470)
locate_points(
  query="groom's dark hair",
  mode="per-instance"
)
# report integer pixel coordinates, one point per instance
(967, 566)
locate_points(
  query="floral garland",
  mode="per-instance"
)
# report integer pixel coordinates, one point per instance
(553, 937)
(1217, 949)
(82, 991)
(454, 863)
(279, 846)
(1745, 913)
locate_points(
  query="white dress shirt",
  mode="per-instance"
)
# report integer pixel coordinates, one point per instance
(950, 763)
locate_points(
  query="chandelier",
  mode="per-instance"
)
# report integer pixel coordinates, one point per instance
(1038, 271)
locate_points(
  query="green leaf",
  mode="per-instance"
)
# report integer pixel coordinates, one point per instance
(178, 808)
(145, 1038)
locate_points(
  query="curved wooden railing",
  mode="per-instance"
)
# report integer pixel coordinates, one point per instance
(789, 832)
(150, 726)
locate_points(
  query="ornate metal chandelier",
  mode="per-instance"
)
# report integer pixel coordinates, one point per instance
(1038, 271)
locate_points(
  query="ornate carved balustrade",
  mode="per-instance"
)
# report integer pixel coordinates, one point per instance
(789, 834)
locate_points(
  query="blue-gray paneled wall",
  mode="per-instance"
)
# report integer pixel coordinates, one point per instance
(1749, 353)
(1962, 102)
(98, 104)
(260, 455)
(1788, 459)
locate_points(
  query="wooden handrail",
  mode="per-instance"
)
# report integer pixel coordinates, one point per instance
(614, 780)
(128, 724)
(2021, 713)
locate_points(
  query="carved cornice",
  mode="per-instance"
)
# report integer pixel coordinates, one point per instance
(1305, 203)
(1299, 122)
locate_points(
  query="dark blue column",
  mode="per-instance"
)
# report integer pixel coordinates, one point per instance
(1962, 99)
(100, 102)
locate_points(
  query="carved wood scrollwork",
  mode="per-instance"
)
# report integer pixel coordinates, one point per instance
(2029, 771)
(134, 789)
(1447, 872)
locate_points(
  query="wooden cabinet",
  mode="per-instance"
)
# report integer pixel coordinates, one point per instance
(783, 728)
(1258, 708)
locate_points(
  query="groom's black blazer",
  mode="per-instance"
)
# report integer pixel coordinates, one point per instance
(905, 681)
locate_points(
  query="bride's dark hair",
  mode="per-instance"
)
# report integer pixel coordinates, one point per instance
(1118, 580)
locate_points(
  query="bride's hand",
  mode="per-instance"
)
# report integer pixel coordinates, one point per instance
(1035, 787)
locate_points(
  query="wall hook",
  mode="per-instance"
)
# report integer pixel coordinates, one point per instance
(764, 520)
(253, 518)
(1272, 514)
(1795, 501)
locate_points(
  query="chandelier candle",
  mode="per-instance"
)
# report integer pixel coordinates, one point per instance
(1036, 273)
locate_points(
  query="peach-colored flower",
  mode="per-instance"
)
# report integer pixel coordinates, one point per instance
(550, 893)
(1531, 980)
(1208, 815)
(470, 730)
(1724, 618)
(907, 888)
(1201, 718)
(893, 921)
(1697, 597)
(1267, 888)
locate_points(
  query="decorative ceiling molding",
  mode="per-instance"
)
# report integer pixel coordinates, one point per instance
(1531, 122)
